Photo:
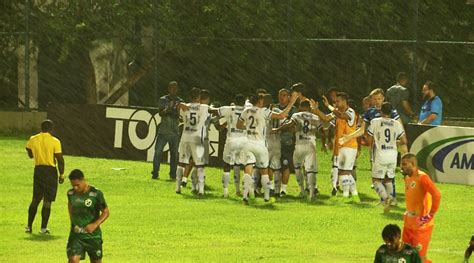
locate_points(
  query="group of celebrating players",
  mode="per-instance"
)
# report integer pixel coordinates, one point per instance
(258, 133)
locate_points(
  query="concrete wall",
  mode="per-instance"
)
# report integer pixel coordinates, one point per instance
(12, 122)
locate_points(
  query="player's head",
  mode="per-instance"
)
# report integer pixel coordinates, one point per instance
(195, 94)
(367, 103)
(299, 88)
(173, 88)
(239, 100)
(304, 106)
(386, 109)
(341, 100)
(78, 182)
(256, 100)
(429, 89)
(205, 96)
(392, 236)
(378, 96)
(331, 94)
(261, 91)
(408, 164)
(267, 99)
(284, 96)
(47, 125)
(402, 78)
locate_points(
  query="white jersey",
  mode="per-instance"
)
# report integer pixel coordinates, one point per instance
(274, 138)
(307, 124)
(385, 132)
(231, 115)
(255, 119)
(194, 123)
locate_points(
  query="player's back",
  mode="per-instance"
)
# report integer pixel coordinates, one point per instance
(255, 119)
(385, 132)
(194, 122)
(306, 125)
(231, 115)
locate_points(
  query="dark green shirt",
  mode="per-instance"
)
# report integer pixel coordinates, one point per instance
(407, 255)
(86, 208)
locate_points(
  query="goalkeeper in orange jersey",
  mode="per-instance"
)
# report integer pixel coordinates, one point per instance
(422, 200)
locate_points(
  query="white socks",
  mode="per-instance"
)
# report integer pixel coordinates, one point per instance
(179, 176)
(246, 185)
(201, 178)
(277, 180)
(311, 183)
(225, 183)
(266, 186)
(300, 179)
(237, 178)
(380, 189)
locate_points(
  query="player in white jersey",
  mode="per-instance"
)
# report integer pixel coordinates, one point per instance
(305, 124)
(384, 132)
(236, 139)
(253, 120)
(192, 143)
(274, 149)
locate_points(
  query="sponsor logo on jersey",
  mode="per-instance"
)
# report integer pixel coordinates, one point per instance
(88, 202)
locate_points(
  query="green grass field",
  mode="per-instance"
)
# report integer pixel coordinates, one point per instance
(149, 222)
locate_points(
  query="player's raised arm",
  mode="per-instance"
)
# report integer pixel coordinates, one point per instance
(286, 126)
(321, 115)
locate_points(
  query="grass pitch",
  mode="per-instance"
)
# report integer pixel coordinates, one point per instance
(150, 223)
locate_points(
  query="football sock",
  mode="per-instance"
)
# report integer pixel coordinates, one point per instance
(283, 188)
(344, 182)
(266, 186)
(201, 178)
(179, 176)
(237, 178)
(277, 180)
(380, 189)
(389, 188)
(246, 182)
(225, 182)
(194, 178)
(311, 183)
(184, 179)
(394, 193)
(300, 179)
(335, 176)
(353, 187)
(45, 213)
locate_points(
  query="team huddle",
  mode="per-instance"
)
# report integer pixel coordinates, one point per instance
(256, 130)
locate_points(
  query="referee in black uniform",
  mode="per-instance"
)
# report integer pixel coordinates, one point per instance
(46, 151)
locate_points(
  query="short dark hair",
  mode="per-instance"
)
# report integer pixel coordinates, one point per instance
(299, 87)
(402, 76)
(195, 93)
(305, 104)
(390, 232)
(331, 89)
(259, 91)
(205, 94)
(431, 85)
(255, 98)
(386, 108)
(47, 125)
(76, 174)
(267, 99)
(342, 95)
(239, 99)
(284, 90)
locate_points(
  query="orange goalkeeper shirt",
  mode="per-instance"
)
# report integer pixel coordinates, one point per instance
(421, 197)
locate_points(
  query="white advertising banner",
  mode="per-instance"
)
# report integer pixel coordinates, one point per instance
(446, 153)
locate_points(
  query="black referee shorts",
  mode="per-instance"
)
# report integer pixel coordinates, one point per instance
(287, 156)
(45, 183)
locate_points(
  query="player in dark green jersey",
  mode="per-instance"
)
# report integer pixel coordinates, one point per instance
(394, 250)
(87, 211)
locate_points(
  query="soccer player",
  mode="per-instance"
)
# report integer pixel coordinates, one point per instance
(46, 151)
(422, 200)
(192, 143)
(378, 97)
(346, 123)
(306, 124)
(236, 139)
(253, 120)
(87, 211)
(384, 132)
(287, 146)
(394, 250)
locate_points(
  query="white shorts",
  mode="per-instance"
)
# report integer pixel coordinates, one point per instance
(232, 149)
(305, 155)
(274, 156)
(380, 170)
(347, 157)
(255, 152)
(188, 150)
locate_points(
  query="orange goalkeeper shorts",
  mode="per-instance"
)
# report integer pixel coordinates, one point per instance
(418, 238)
